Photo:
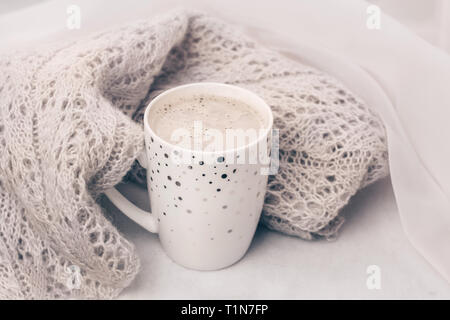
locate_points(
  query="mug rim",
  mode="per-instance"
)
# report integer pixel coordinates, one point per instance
(167, 92)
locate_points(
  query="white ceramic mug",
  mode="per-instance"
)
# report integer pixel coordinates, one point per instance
(205, 210)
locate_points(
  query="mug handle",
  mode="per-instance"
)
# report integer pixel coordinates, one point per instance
(141, 217)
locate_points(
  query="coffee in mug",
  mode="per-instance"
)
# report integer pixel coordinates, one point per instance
(204, 117)
(207, 148)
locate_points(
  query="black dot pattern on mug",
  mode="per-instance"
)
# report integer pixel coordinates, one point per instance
(206, 190)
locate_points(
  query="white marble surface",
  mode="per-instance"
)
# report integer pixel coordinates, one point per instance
(282, 267)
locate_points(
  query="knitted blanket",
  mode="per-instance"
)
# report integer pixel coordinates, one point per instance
(70, 128)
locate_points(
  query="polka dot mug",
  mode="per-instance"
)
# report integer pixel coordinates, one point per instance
(205, 205)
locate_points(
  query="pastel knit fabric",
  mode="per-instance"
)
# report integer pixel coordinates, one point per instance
(71, 128)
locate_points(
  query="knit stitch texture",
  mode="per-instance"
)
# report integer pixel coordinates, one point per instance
(70, 128)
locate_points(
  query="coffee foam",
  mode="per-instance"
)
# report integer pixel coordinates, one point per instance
(185, 121)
